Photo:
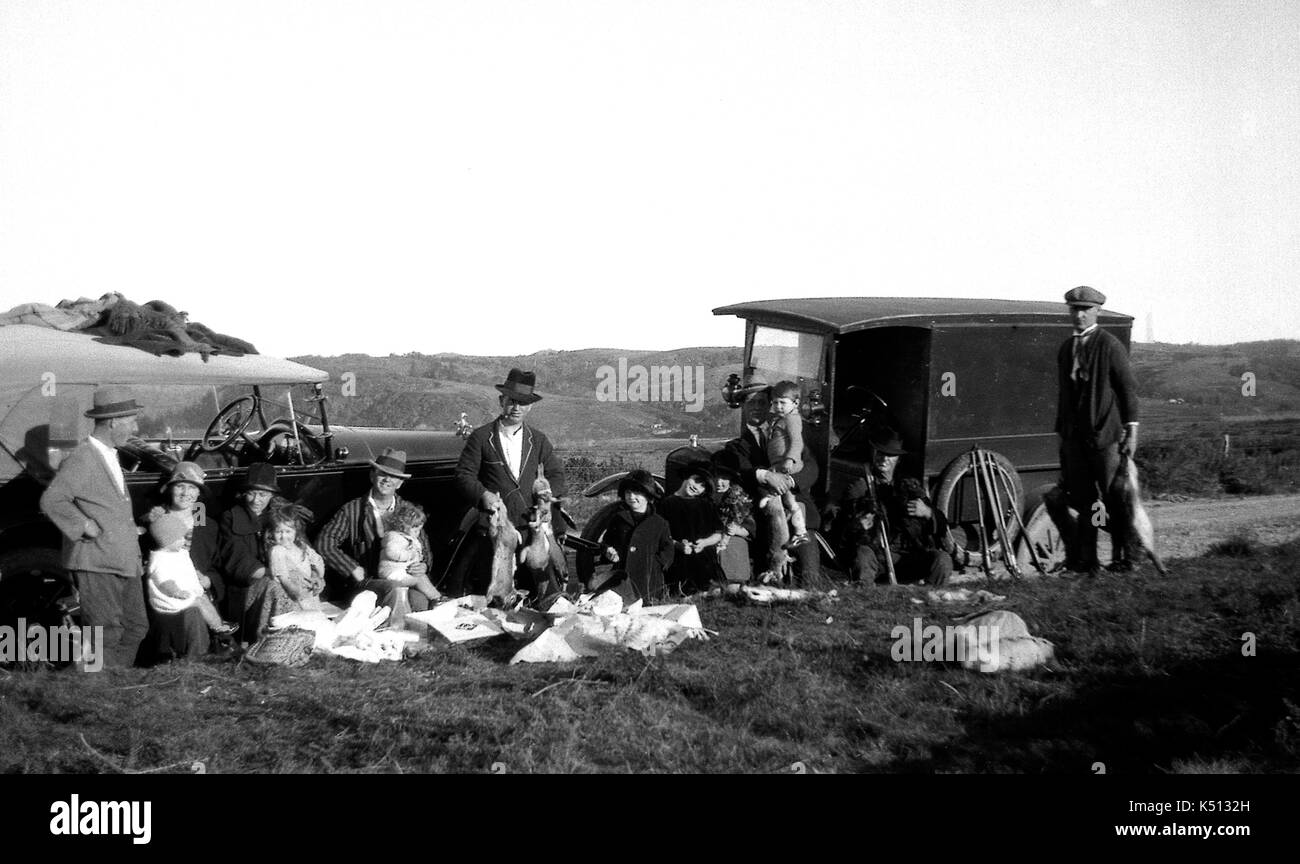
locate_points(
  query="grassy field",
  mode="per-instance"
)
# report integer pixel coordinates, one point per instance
(1150, 678)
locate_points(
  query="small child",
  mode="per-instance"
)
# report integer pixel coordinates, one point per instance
(295, 572)
(785, 454)
(637, 541)
(737, 526)
(401, 547)
(174, 584)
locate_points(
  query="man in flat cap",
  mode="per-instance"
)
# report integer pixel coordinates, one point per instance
(89, 502)
(1097, 420)
(502, 460)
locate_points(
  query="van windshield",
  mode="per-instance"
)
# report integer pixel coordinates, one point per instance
(784, 355)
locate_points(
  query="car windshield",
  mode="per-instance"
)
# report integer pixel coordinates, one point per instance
(184, 412)
(784, 355)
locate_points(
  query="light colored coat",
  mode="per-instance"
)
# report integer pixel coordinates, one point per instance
(85, 490)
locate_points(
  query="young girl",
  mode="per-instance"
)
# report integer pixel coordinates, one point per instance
(295, 573)
(174, 584)
(696, 528)
(637, 541)
(737, 528)
(401, 547)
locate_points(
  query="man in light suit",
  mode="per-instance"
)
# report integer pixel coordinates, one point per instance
(89, 503)
(502, 460)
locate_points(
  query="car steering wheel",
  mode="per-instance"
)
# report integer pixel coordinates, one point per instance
(230, 422)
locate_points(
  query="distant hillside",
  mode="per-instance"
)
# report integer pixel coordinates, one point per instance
(1209, 378)
(431, 390)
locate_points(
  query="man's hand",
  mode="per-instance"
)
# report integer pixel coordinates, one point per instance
(92, 529)
(611, 554)
(774, 480)
(1129, 445)
(488, 500)
(417, 569)
(917, 507)
(358, 574)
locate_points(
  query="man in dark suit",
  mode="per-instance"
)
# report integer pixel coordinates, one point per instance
(89, 503)
(748, 456)
(501, 461)
(1097, 420)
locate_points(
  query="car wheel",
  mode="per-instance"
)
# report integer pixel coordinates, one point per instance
(35, 586)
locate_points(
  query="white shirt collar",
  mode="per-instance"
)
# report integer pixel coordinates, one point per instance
(1087, 331)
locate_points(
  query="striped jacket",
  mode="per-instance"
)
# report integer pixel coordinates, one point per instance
(350, 540)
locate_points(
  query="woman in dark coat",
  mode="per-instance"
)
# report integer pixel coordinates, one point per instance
(239, 546)
(637, 541)
(184, 634)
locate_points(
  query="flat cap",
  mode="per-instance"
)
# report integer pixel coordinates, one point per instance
(1085, 296)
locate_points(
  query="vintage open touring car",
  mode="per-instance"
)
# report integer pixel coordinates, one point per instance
(948, 374)
(225, 413)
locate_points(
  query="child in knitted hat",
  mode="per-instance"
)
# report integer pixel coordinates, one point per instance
(174, 584)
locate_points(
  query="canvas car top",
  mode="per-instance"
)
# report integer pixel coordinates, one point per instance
(838, 315)
(36, 362)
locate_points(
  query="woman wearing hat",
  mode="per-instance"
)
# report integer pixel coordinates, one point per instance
(184, 634)
(696, 528)
(239, 547)
(637, 541)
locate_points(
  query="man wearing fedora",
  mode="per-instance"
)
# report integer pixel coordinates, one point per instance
(501, 460)
(89, 502)
(240, 553)
(918, 533)
(350, 542)
(1097, 420)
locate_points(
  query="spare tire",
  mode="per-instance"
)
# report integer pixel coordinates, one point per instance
(954, 493)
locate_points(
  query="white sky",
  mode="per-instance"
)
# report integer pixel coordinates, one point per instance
(500, 177)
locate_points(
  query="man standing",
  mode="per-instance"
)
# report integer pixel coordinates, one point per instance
(501, 461)
(88, 501)
(351, 541)
(1097, 420)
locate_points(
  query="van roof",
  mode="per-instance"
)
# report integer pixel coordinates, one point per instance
(838, 315)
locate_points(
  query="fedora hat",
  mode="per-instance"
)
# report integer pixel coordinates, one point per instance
(639, 480)
(392, 462)
(261, 476)
(110, 402)
(519, 387)
(885, 440)
(1085, 296)
(186, 472)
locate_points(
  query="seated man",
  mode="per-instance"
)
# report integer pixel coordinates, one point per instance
(747, 456)
(918, 534)
(350, 542)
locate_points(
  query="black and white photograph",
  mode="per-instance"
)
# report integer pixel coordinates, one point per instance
(492, 387)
